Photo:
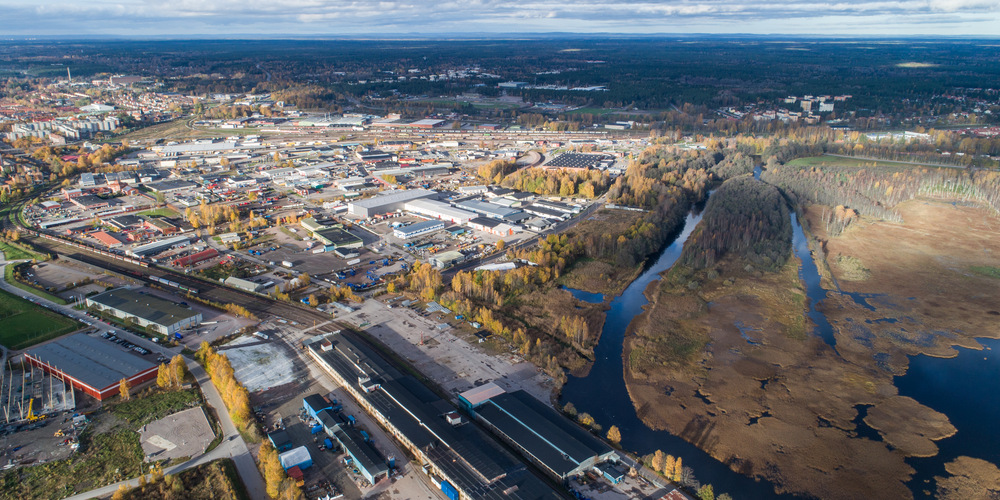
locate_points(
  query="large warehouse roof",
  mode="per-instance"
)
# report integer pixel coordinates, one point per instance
(394, 197)
(145, 306)
(541, 431)
(93, 361)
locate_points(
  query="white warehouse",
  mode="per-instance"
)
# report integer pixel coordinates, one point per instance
(439, 210)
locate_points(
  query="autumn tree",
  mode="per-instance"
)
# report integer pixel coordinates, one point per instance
(706, 493)
(124, 389)
(163, 379)
(656, 463)
(667, 467)
(614, 435)
(678, 470)
(585, 419)
(178, 369)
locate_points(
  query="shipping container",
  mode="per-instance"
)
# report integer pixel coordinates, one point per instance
(449, 490)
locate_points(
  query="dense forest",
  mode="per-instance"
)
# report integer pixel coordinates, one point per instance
(874, 190)
(746, 219)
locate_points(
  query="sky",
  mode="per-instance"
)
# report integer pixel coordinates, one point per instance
(276, 18)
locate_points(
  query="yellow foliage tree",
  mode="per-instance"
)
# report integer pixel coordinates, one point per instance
(614, 435)
(124, 389)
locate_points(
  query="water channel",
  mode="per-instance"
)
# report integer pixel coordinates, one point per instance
(964, 388)
(602, 392)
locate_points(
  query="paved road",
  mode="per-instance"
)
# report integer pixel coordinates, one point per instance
(232, 446)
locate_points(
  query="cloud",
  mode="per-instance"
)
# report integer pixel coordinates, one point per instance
(275, 17)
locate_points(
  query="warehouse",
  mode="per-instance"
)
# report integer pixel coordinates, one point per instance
(543, 435)
(242, 284)
(337, 238)
(439, 210)
(387, 202)
(297, 457)
(446, 259)
(366, 458)
(463, 456)
(487, 209)
(195, 258)
(158, 246)
(315, 403)
(160, 315)
(91, 364)
(418, 229)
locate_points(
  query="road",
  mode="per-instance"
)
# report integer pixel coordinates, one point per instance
(232, 446)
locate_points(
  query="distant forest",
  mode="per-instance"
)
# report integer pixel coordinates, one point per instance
(662, 76)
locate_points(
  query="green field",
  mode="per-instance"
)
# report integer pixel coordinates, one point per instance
(12, 252)
(836, 161)
(594, 111)
(26, 324)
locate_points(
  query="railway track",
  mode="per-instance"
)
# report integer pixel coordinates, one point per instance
(258, 305)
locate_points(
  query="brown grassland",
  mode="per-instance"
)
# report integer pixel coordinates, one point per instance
(728, 363)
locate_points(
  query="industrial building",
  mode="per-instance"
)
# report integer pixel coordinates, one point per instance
(539, 433)
(418, 229)
(335, 237)
(463, 457)
(297, 457)
(91, 364)
(280, 440)
(366, 458)
(243, 284)
(315, 403)
(439, 210)
(162, 316)
(158, 246)
(487, 209)
(387, 202)
(445, 259)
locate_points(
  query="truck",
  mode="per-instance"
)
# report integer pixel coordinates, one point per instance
(287, 264)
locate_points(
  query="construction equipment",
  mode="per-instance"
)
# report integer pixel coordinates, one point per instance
(59, 433)
(31, 414)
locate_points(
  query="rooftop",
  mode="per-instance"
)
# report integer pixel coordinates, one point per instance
(145, 306)
(91, 360)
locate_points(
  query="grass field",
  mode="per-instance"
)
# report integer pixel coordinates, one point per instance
(593, 111)
(159, 212)
(12, 252)
(146, 408)
(26, 324)
(831, 161)
(176, 129)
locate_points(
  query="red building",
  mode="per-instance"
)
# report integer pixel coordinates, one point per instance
(91, 364)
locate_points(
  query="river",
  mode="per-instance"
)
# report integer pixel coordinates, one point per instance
(602, 392)
(964, 388)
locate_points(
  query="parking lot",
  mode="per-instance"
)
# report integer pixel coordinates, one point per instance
(450, 356)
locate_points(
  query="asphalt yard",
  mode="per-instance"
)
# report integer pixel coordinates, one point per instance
(447, 355)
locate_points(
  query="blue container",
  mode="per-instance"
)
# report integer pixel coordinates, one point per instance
(317, 429)
(328, 443)
(449, 490)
